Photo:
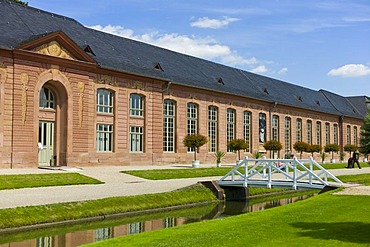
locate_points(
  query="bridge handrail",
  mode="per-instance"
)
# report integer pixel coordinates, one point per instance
(264, 168)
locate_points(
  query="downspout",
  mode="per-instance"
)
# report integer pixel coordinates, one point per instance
(168, 84)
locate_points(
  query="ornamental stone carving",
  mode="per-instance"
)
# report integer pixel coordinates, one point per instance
(24, 80)
(81, 89)
(53, 48)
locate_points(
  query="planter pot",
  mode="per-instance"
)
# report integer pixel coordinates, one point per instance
(365, 159)
(195, 163)
(218, 164)
(332, 160)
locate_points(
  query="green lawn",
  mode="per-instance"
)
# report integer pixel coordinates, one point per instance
(323, 220)
(43, 180)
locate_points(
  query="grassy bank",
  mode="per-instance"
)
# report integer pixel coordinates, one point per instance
(44, 180)
(323, 220)
(21, 216)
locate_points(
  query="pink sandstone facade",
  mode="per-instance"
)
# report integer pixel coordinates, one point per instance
(74, 79)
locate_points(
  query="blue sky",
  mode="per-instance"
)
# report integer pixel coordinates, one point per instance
(317, 44)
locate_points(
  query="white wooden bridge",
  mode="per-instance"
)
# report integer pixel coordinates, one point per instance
(279, 173)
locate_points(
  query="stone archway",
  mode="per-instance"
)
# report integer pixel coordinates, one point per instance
(53, 123)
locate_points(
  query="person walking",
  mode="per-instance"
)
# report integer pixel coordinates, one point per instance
(355, 158)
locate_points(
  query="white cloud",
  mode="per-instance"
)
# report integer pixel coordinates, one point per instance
(350, 70)
(205, 22)
(259, 69)
(116, 30)
(283, 70)
(206, 48)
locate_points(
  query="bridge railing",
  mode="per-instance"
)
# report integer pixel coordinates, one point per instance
(294, 172)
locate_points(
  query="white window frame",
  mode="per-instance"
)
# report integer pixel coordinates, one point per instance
(230, 125)
(212, 128)
(46, 98)
(192, 120)
(104, 137)
(137, 105)
(104, 101)
(169, 125)
(247, 129)
(136, 139)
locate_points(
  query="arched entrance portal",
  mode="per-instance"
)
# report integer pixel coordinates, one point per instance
(52, 124)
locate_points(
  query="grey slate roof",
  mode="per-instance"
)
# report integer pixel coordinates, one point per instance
(361, 103)
(20, 24)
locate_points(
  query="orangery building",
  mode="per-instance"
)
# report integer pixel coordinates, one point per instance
(71, 95)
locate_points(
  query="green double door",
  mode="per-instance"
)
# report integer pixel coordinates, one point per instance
(46, 143)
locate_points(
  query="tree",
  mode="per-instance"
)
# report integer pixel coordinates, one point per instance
(314, 148)
(301, 147)
(350, 148)
(331, 148)
(272, 145)
(194, 142)
(365, 136)
(20, 2)
(237, 145)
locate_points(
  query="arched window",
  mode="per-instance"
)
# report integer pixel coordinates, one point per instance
(299, 130)
(47, 100)
(104, 101)
(288, 134)
(309, 132)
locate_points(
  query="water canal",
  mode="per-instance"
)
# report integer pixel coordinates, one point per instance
(78, 234)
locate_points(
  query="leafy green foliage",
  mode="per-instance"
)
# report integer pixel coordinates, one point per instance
(314, 148)
(301, 147)
(20, 2)
(365, 136)
(219, 155)
(237, 145)
(331, 148)
(350, 148)
(272, 145)
(194, 141)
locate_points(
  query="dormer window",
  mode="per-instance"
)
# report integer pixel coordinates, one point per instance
(158, 67)
(317, 102)
(299, 98)
(220, 81)
(265, 91)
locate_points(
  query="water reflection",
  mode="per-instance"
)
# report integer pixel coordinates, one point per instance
(79, 234)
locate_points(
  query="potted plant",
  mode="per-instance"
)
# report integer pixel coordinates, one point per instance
(194, 142)
(257, 155)
(237, 145)
(301, 147)
(219, 155)
(272, 145)
(331, 148)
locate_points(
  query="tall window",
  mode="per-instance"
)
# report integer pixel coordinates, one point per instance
(136, 105)
(192, 124)
(46, 100)
(212, 128)
(136, 139)
(348, 134)
(275, 128)
(309, 132)
(262, 127)
(169, 110)
(104, 101)
(247, 129)
(104, 137)
(287, 134)
(230, 125)
(318, 133)
(355, 136)
(335, 132)
(299, 130)
(327, 133)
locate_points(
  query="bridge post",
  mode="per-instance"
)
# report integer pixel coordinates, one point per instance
(245, 171)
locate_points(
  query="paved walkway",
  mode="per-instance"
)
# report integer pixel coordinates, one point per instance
(115, 184)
